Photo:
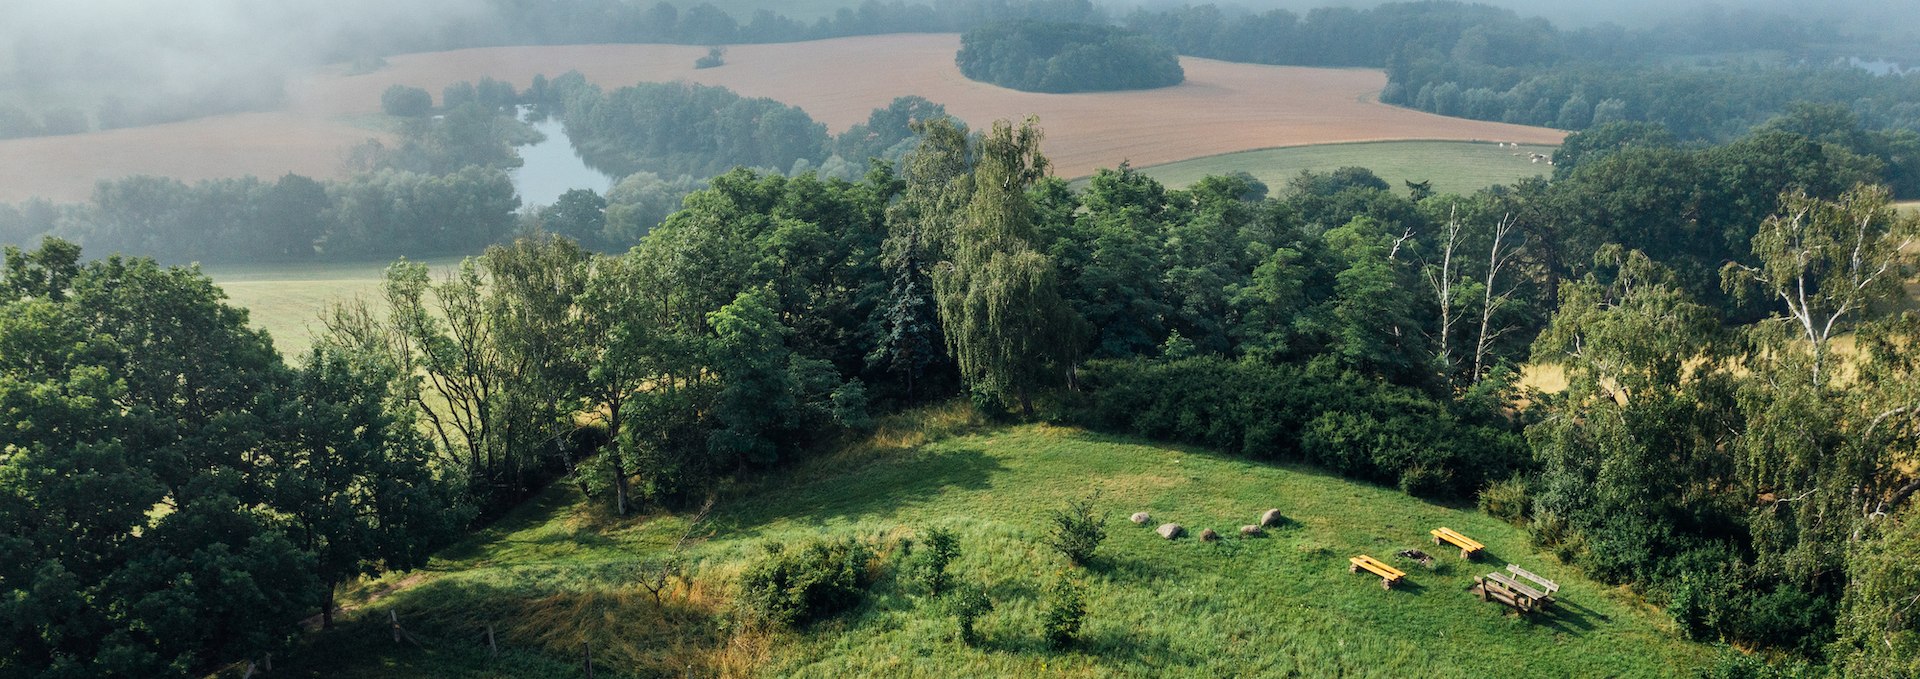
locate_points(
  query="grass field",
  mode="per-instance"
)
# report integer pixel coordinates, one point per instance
(559, 573)
(1453, 167)
(1221, 108)
(286, 300)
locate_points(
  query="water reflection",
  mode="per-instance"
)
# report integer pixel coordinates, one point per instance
(551, 167)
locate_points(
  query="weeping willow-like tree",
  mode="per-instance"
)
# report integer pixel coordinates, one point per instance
(1006, 324)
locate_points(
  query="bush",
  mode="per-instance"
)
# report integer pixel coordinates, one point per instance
(1077, 532)
(1358, 427)
(794, 587)
(1066, 610)
(716, 56)
(406, 102)
(1507, 500)
(930, 565)
(968, 604)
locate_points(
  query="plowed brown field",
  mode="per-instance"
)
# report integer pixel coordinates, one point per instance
(1222, 107)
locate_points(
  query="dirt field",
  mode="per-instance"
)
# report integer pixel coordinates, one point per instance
(1223, 107)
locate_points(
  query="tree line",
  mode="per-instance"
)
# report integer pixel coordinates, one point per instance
(378, 214)
(1055, 57)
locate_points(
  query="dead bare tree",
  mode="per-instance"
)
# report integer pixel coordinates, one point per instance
(1441, 279)
(1497, 260)
(657, 574)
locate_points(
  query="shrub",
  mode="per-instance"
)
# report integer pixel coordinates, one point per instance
(1507, 500)
(930, 565)
(796, 586)
(1066, 610)
(716, 56)
(1356, 426)
(406, 102)
(968, 604)
(1077, 532)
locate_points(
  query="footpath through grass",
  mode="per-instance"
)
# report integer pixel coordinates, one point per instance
(560, 573)
(1453, 166)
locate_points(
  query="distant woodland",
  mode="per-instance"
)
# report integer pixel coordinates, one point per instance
(1055, 57)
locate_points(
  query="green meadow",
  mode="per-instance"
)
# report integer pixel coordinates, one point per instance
(1452, 166)
(560, 575)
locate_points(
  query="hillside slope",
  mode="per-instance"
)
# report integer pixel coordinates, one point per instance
(559, 573)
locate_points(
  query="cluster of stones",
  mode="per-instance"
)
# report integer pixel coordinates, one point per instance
(1171, 531)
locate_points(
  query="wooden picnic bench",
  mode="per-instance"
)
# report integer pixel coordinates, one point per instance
(1547, 587)
(1389, 576)
(1497, 587)
(1469, 548)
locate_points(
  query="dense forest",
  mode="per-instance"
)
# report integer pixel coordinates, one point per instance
(1053, 57)
(1735, 450)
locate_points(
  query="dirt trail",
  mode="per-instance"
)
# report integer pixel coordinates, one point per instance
(1222, 107)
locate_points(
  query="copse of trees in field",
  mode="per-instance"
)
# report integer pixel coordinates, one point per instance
(1055, 57)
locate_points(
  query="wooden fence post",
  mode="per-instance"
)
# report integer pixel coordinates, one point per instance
(394, 620)
(493, 649)
(588, 648)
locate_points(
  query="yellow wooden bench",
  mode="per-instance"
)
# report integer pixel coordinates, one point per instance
(1389, 576)
(1469, 548)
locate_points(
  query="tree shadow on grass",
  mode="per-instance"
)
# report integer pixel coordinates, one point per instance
(1136, 648)
(1128, 569)
(878, 491)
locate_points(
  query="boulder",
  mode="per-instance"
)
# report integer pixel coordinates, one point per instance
(1171, 530)
(1270, 518)
(1251, 530)
(1141, 518)
(1207, 535)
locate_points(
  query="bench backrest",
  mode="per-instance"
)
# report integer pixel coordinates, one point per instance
(1549, 585)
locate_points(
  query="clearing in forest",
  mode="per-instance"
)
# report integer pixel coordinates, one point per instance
(1222, 107)
(561, 572)
(1452, 166)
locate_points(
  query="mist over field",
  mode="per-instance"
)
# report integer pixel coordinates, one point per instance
(1891, 16)
(78, 53)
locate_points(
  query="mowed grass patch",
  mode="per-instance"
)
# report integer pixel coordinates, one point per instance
(1452, 166)
(560, 573)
